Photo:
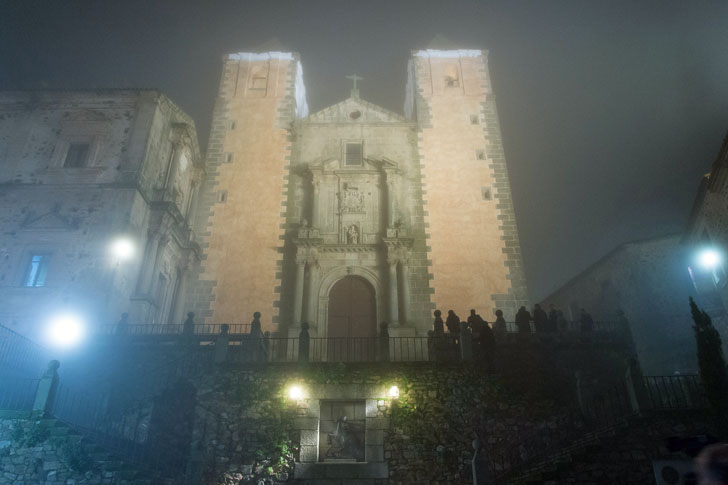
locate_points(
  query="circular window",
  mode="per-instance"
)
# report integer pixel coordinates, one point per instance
(355, 114)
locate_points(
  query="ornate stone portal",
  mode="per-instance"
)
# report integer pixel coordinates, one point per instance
(354, 230)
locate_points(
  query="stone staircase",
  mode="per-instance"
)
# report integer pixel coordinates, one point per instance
(48, 458)
(611, 455)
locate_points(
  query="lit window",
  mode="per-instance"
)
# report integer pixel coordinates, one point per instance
(37, 270)
(77, 155)
(354, 153)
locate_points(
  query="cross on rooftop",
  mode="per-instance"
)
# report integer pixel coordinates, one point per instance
(354, 78)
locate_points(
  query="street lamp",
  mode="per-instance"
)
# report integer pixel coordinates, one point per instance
(709, 258)
(65, 330)
(122, 249)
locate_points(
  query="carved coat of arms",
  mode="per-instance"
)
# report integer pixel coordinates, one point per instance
(352, 200)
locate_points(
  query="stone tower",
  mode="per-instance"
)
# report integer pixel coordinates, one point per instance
(474, 251)
(242, 214)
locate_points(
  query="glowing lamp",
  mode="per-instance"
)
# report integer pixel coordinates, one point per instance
(709, 258)
(394, 392)
(295, 393)
(122, 249)
(65, 330)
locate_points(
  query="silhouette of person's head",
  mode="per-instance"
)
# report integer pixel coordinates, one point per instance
(450, 313)
(712, 465)
(472, 312)
(499, 313)
(438, 313)
(256, 315)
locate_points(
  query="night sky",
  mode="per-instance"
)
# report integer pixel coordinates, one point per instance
(611, 111)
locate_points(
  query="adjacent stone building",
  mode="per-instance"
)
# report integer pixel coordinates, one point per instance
(356, 215)
(78, 171)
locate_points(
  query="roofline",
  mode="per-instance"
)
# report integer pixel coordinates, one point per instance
(608, 255)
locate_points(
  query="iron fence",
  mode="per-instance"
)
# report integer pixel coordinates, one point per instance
(171, 329)
(675, 392)
(20, 355)
(17, 393)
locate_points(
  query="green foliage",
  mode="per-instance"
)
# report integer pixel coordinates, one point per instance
(74, 454)
(712, 365)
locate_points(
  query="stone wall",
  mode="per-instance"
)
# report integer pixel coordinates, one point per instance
(474, 251)
(44, 451)
(129, 185)
(649, 282)
(242, 202)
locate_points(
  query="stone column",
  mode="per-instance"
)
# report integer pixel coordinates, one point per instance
(149, 264)
(312, 296)
(315, 203)
(298, 296)
(390, 201)
(405, 289)
(393, 293)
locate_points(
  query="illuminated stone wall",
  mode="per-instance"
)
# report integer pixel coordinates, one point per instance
(242, 202)
(474, 248)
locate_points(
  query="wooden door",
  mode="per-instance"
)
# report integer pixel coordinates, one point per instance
(352, 322)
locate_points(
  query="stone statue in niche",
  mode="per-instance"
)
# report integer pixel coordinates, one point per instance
(352, 200)
(352, 234)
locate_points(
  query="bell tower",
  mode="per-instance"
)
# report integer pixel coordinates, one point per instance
(474, 251)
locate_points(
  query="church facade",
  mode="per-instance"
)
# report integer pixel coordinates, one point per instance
(355, 215)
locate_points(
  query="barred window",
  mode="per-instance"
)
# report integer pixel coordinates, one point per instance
(354, 154)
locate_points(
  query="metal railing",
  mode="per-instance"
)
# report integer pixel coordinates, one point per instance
(675, 392)
(171, 329)
(17, 393)
(20, 355)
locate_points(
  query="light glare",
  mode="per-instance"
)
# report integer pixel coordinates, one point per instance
(394, 392)
(65, 331)
(122, 249)
(709, 258)
(295, 393)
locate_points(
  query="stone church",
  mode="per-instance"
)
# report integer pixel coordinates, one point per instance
(343, 218)
(355, 215)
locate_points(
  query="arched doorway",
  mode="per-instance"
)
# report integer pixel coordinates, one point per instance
(352, 323)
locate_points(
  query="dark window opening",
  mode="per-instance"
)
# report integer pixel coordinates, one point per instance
(354, 154)
(77, 155)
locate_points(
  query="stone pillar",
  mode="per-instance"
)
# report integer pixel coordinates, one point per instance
(635, 381)
(405, 289)
(47, 386)
(312, 294)
(151, 254)
(315, 203)
(390, 201)
(221, 344)
(393, 293)
(298, 295)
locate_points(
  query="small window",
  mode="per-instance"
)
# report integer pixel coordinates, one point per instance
(480, 154)
(222, 196)
(77, 155)
(35, 276)
(232, 126)
(474, 119)
(229, 158)
(485, 193)
(354, 154)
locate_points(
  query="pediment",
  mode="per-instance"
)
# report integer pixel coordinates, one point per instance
(51, 221)
(355, 110)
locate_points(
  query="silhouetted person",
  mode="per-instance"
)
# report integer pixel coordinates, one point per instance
(476, 322)
(439, 325)
(553, 318)
(486, 346)
(384, 341)
(523, 320)
(561, 324)
(711, 465)
(540, 319)
(304, 342)
(586, 322)
(122, 326)
(188, 327)
(255, 330)
(453, 323)
(499, 326)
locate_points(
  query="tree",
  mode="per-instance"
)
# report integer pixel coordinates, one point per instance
(712, 366)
